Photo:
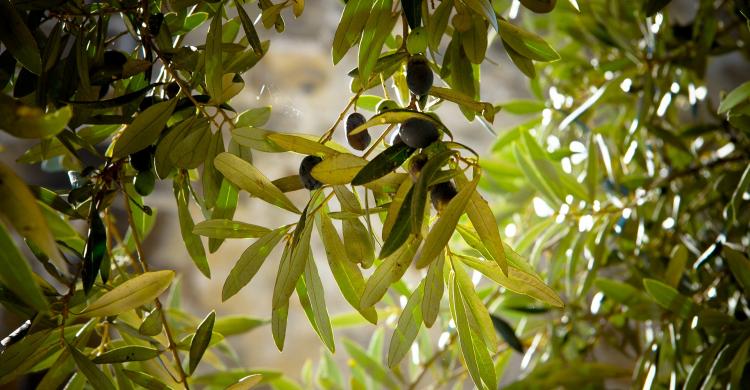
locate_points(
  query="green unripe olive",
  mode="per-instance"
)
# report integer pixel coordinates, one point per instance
(361, 140)
(418, 133)
(386, 105)
(143, 159)
(441, 194)
(144, 182)
(540, 6)
(416, 42)
(419, 76)
(305, 172)
(416, 163)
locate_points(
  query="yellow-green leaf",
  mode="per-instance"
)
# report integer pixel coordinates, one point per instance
(340, 168)
(433, 291)
(17, 276)
(527, 44)
(390, 270)
(224, 228)
(24, 121)
(475, 306)
(213, 56)
(443, 229)
(128, 353)
(407, 328)
(250, 262)
(88, 369)
(292, 267)
(131, 294)
(295, 143)
(247, 177)
(201, 340)
(379, 24)
(144, 130)
(18, 39)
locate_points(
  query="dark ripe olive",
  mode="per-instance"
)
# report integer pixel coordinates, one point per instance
(305, 172)
(144, 182)
(419, 76)
(386, 105)
(361, 140)
(539, 6)
(441, 194)
(396, 138)
(154, 23)
(172, 89)
(418, 133)
(143, 159)
(416, 163)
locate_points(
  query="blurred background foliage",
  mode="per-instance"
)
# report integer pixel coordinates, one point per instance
(619, 194)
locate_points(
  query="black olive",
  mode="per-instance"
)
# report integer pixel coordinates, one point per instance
(143, 159)
(441, 194)
(361, 140)
(305, 172)
(396, 139)
(418, 133)
(419, 76)
(144, 182)
(416, 163)
(154, 23)
(172, 89)
(539, 6)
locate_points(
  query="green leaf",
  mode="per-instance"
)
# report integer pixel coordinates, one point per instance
(527, 44)
(129, 353)
(484, 8)
(474, 41)
(295, 143)
(437, 23)
(131, 294)
(677, 261)
(384, 163)
(507, 333)
(234, 325)
(419, 193)
(350, 27)
(292, 267)
(360, 247)
(347, 275)
(247, 382)
(152, 324)
(278, 324)
(407, 328)
(443, 229)
(311, 295)
(401, 229)
(379, 25)
(192, 241)
(18, 206)
(482, 323)
(224, 228)
(163, 163)
(95, 251)
(191, 151)
(17, 276)
(250, 262)
(433, 290)
(211, 178)
(24, 121)
(733, 208)
(18, 39)
(390, 271)
(253, 137)
(740, 267)
(247, 25)
(372, 367)
(337, 169)
(213, 56)
(466, 342)
(481, 108)
(145, 380)
(734, 98)
(201, 340)
(226, 203)
(669, 298)
(144, 130)
(245, 176)
(518, 281)
(254, 117)
(87, 368)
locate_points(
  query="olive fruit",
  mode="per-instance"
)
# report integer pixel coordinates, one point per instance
(441, 194)
(386, 105)
(143, 159)
(539, 6)
(305, 172)
(172, 89)
(416, 41)
(419, 76)
(361, 140)
(144, 182)
(416, 163)
(418, 133)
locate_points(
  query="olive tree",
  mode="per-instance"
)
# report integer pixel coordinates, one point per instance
(621, 198)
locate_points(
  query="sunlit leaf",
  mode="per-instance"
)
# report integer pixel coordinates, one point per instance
(224, 228)
(250, 262)
(130, 294)
(372, 367)
(339, 168)
(390, 270)
(526, 43)
(379, 24)
(144, 130)
(87, 368)
(433, 291)
(407, 328)
(16, 275)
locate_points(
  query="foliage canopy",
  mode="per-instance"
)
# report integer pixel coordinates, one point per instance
(622, 194)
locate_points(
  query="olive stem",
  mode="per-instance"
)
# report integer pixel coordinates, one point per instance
(329, 133)
(377, 141)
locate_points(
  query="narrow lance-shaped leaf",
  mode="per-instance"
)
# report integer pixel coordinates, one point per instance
(527, 44)
(350, 27)
(379, 24)
(130, 294)
(298, 144)
(433, 290)
(507, 333)
(213, 55)
(360, 247)
(18, 206)
(407, 328)
(669, 298)
(193, 243)
(247, 177)
(224, 228)
(145, 380)
(372, 367)
(96, 249)
(18, 39)
(16, 275)
(87, 368)
(482, 323)
(292, 267)
(226, 203)
(152, 323)
(443, 229)
(390, 270)
(247, 25)
(201, 340)
(464, 332)
(311, 295)
(250, 262)
(384, 163)
(144, 130)
(128, 353)
(338, 169)
(419, 196)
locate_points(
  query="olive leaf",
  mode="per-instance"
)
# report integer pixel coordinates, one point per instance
(250, 262)
(379, 25)
(224, 228)
(88, 369)
(129, 295)
(201, 341)
(407, 328)
(16, 275)
(144, 130)
(129, 353)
